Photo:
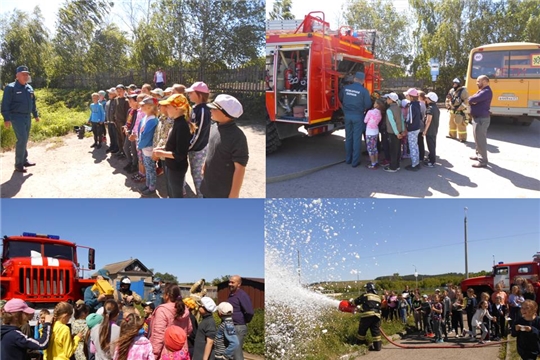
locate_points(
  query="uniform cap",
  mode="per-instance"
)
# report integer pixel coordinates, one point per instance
(227, 104)
(198, 86)
(456, 80)
(360, 75)
(23, 69)
(104, 273)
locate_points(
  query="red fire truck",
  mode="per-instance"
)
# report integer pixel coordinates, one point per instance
(503, 273)
(306, 64)
(42, 270)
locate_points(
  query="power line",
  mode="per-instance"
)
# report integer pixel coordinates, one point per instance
(452, 244)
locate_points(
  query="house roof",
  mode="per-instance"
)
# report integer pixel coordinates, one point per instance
(132, 265)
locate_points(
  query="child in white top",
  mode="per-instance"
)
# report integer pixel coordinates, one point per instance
(477, 321)
(372, 119)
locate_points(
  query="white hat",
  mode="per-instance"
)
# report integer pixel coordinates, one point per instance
(437, 290)
(432, 96)
(393, 96)
(225, 308)
(404, 102)
(158, 91)
(208, 304)
(228, 104)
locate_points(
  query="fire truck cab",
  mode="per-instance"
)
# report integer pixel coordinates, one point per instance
(504, 273)
(306, 65)
(42, 270)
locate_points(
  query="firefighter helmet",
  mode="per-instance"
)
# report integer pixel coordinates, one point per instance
(125, 280)
(370, 288)
(456, 80)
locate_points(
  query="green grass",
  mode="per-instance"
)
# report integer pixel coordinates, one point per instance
(337, 336)
(59, 111)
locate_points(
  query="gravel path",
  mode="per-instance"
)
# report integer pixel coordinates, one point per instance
(68, 168)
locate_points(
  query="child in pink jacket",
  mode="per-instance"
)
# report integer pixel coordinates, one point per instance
(132, 345)
(173, 311)
(372, 119)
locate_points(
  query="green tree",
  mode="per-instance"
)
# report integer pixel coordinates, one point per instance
(282, 10)
(392, 42)
(166, 277)
(219, 280)
(108, 51)
(25, 41)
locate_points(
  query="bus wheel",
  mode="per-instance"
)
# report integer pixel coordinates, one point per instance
(272, 137)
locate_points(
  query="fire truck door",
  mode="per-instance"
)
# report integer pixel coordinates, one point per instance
(502, 274)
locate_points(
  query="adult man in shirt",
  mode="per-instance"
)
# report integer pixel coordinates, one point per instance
(480, 104)
(18, 103)
(242, 312)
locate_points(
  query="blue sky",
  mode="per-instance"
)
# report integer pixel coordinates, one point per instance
(189, 238)
(339, 237)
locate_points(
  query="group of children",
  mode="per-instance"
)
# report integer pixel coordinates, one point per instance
(117, 334)
(402, 125)
(160, 132)
(491, 316)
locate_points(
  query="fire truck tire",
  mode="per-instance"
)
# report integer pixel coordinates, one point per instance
(272, 137)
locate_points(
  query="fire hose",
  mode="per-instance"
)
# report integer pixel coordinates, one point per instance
(275, 179)
(345, 306)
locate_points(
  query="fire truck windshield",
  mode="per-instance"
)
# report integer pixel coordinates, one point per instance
(25, 249)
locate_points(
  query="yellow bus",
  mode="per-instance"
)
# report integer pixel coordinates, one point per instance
(514, 73)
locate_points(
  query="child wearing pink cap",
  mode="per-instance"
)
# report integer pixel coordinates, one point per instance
(175, 341)
(14, 344)
(198, 94)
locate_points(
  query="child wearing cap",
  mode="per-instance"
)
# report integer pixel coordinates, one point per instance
(413, 122)
(226, 340)
(130, 147)
(132, 344)
(149, 308)
(14, 344)
(175, 341)
(395, 127)
(176, 148)
(228, 153)
(432, 127)
(198, 94)
(97, 119)
(206, 332)
(91, 321)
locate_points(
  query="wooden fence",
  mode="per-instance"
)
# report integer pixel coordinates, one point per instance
(248, 79)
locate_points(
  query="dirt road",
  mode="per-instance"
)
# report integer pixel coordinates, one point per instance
(68, 168)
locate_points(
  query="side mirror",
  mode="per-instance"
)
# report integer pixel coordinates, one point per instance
(91, 259)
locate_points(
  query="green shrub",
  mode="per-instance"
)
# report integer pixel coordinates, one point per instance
(59, 110)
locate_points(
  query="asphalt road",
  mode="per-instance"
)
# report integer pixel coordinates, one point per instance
(513, 170)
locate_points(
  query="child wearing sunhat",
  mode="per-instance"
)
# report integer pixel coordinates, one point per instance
(226, 340)
(228, 152)
(176, 148)
(14, 344)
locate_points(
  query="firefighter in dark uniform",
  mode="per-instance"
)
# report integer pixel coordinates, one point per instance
(369, 307)
(18, 103)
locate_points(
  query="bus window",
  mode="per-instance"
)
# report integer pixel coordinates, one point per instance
(489, 63)
(506, 64)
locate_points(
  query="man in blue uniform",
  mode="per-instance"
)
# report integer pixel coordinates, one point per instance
(18, 103)
(355, 100)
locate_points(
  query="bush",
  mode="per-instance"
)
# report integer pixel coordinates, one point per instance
(59, 110)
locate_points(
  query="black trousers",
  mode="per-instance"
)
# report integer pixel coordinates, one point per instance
(175, 182)
(113, 139)
(421, 146)
(431, 144)
(395, 151)
(372, 323)
(96, 130)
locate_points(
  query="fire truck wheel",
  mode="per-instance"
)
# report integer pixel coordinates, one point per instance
(272, 137)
